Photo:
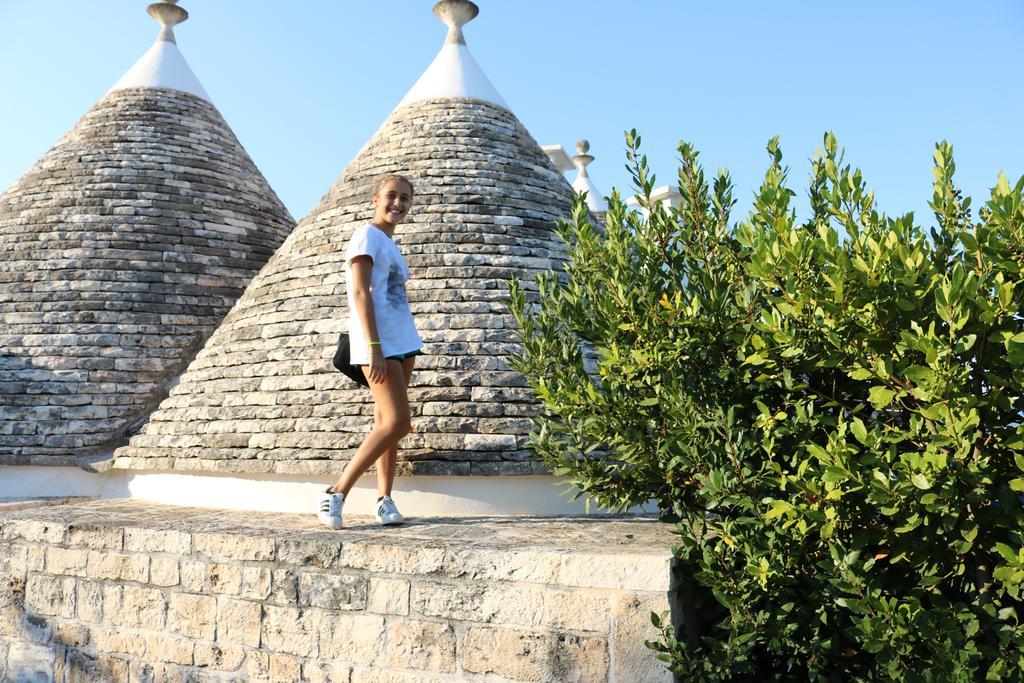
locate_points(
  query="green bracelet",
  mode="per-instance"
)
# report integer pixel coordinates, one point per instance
(377, 343)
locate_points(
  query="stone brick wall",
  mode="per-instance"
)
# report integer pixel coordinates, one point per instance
(119, 591)
(262, 396)
(120, 251)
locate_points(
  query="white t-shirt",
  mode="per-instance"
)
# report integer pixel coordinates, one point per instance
(387, 289)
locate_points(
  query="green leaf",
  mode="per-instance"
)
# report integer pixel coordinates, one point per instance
(880, 397)
(778, 508)
(861, 374)
(920, 481)
(859, 431)
(1008, 553)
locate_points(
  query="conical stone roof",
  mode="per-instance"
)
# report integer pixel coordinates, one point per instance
(262, 396)
(120, 251)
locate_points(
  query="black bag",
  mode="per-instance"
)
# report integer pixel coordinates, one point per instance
(343, 362)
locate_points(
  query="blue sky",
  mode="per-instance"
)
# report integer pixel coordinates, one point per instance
(304, 84)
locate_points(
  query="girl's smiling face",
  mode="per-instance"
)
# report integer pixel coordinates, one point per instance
(392, 202)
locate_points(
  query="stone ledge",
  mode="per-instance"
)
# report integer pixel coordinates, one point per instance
(15, 504)
(628, 553)
(119, 590)
(321, 464)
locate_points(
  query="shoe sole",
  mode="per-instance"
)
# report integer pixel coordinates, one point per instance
(381, 521)
(331, 525)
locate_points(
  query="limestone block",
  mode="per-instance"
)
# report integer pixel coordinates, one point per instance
(238, 621)
(232, 547)
(360, 675)
(257, 665)
(66, 561)
(301, 552)
(95, 536)
(157, 541)
(85, 667)
(50, 595)
(484, 564)
(578, 610)
(393, 558)
(625, 571)
(117, 640)
(33, 531)
(289, 630)
(194, 616)
(354, 638)
(30, 663)
(35, 558)
(13, 559)
(117, 566)
(89, 601)
(139, 607)
(163, 570)
(418, 644)
(631, 626)
(332, 591)
(535, 655)
(220, 578)
(219, 656)
(284, 587)
(155, 672)
(163, 647)
(70, 633)
(389, 596)
(12, 592)
(285, 669)
(512, 604)
(255, 583)
(326, 672)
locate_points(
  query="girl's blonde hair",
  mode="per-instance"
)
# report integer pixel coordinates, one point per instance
(385, 179)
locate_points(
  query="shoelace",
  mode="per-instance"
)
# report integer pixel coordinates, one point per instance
(387, 507)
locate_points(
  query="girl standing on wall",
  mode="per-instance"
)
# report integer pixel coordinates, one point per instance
(384, 342)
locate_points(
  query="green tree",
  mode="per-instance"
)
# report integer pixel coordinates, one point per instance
(829, 409)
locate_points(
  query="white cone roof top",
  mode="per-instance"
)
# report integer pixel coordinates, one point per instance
(454, 72)
(583, 183)
(163, 65)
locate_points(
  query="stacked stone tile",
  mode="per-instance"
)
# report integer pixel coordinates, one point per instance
(115, 590)
(262, 396)
(120, 251)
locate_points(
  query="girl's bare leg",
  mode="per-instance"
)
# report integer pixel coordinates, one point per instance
(386, 463)
(392, 422)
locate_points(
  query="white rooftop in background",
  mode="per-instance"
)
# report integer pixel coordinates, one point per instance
(665, 195)
(582, 183)
(559, 158)
(595, 200)
(454, 72)
(163, 65)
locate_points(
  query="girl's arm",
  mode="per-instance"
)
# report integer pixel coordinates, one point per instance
(361, 267)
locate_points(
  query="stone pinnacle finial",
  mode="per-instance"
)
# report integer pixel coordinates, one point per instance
(582, 160)
(169, 15)
(456, 14)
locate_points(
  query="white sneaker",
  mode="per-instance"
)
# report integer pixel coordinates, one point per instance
(330, 509)
(387, 512)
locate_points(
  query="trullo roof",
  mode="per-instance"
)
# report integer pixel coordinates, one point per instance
(262, 396)
(120, 251)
